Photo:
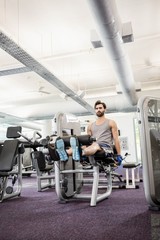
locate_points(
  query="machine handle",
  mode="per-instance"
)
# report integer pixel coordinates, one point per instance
(29, 140)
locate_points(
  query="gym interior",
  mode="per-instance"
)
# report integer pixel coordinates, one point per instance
(57, 59)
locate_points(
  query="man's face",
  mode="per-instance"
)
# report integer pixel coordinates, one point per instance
(99, 110)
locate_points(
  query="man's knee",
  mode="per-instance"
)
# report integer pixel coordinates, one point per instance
(92, 149)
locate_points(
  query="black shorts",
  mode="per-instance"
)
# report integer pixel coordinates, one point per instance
(107, 148)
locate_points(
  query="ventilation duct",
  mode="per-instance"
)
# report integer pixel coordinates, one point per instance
(107, 27)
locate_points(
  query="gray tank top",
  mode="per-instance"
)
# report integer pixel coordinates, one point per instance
(102, 133)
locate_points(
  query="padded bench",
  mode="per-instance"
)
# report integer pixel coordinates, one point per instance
(133, 167)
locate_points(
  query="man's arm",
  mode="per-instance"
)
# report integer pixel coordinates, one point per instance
(89, 132)
(114, 130)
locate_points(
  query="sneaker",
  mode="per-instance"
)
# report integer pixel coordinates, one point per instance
(60, 148)
(75, 148)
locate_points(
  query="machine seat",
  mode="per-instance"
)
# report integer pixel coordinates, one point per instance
(100, 156)
(7, 156)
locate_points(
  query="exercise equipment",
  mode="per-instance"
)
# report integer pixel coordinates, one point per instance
(66, 177)
(69, 175)
(45, 171)
(28, 167)
(11, 165)
(44, 168)
(133, 170)
(149, 122)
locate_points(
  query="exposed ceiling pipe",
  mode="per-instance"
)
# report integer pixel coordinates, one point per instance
(13, 120)
(14, 71)
(118, 102)
(102, 11)
(8, 45)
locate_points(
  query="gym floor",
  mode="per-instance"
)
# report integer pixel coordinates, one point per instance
(39, 215)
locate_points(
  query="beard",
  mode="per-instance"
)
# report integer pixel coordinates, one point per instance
(100, 114)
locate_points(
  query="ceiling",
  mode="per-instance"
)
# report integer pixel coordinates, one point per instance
(59, 56)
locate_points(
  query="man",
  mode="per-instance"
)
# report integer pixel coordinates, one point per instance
(105, 132)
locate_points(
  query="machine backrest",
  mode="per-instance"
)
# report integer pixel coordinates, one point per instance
(8, 154)
(12, 132)
(41, 161)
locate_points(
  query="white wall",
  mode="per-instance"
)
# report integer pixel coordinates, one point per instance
(126, 125)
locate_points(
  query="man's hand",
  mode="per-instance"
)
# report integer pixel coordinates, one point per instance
(119, 159)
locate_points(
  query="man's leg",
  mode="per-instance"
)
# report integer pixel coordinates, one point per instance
(91, 150)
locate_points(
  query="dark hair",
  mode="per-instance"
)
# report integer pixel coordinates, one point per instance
(99, 102)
